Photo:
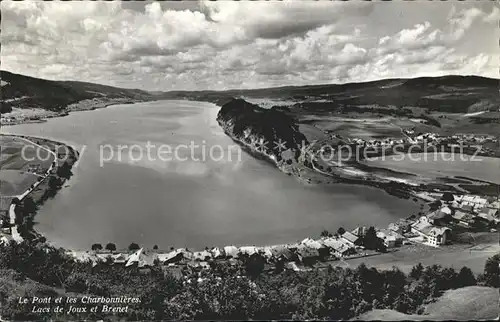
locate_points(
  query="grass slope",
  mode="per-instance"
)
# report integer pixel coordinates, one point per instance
(468, 303)
(29, 92)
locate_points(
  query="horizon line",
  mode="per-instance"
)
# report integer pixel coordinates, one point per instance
(255, 88)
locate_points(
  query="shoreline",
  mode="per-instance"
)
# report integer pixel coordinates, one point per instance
(42, 189)
(81, 106)
(307, 168)
(36, 234)
(254, 154)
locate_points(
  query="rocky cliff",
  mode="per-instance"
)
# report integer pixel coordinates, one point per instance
(268, 133)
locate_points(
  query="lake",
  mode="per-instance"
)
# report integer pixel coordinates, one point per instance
(443, 164)
(186, 203)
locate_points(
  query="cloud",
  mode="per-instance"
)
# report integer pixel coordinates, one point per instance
(463, 20)
(493, 17)
(274, 20)
(228, 44)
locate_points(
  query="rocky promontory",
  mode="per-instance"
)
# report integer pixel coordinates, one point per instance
(268, 133)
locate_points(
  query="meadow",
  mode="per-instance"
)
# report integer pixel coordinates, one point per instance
(15, 165)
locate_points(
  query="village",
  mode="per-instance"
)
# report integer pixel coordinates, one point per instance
(454, 142)
(453, 214)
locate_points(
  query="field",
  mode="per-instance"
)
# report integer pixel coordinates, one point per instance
(15, 177)
(312, 133)
(468, 303)
(14, 182)
(360, 127)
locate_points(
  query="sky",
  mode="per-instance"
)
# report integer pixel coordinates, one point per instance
(218, 45)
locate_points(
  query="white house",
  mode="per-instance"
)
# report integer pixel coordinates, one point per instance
(438, 236)
(248, 250)
(311, 243)
(231, 251)
(141, 259)
(216, 252)
(446, 210)
(4, 240)
(435, 236)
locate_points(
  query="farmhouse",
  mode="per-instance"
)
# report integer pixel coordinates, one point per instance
(217, 252)
(307, 255)
(248, 250)
(464, 218)
(141, 259)
(402, 227)
(119, 258)
(231, 251)
(172, 257)
(420, 224)
(437, 217)
(359, 231)
(267, 253)
(391, 238)
(198, 265)
(202, 256)
(350, 238)
(339, 247)
(316, 245)
(312, 243)
(438, 235)
(433, 235)
(4, 240)
(280, 252)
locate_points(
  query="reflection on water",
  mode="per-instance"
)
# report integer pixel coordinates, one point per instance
(187, 203)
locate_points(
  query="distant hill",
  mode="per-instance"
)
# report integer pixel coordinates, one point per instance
(29, 92)
(450, 94)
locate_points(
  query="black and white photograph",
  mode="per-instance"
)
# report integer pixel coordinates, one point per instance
(249, 160)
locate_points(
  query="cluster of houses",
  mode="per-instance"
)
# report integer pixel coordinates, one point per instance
(12, 120)
(470, 208)
(474, 138)
(457, 212)
(306, 252)
(7, 120)
(454, 142)
(463, 139)
(429, 138)
(376, 143)
(426, 137)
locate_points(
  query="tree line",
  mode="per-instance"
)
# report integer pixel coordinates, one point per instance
(238, 291)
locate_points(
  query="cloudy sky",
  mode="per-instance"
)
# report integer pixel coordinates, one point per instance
(220, 45)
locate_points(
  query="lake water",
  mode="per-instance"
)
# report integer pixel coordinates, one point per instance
(187, 203)
(442, 165)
